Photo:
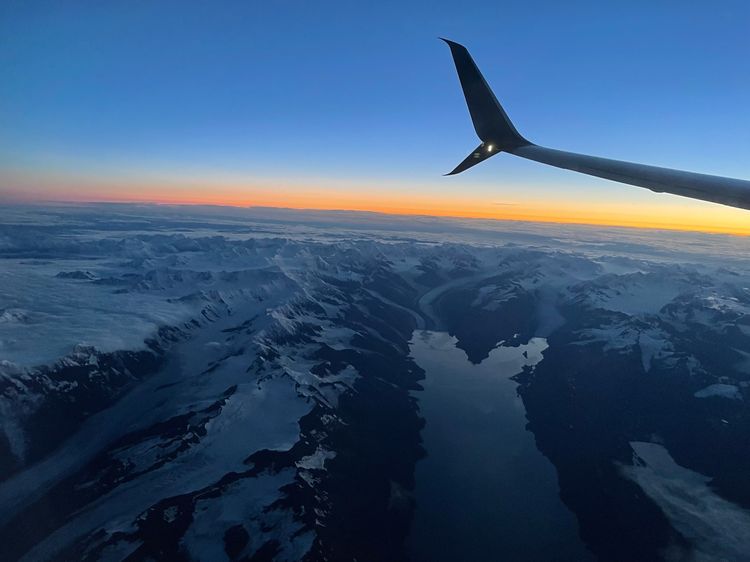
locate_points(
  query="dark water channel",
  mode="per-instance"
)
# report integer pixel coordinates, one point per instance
(484, 492)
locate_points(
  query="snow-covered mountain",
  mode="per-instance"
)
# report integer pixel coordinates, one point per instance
(222, 384)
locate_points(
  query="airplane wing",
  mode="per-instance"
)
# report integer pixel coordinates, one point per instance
(498, 134)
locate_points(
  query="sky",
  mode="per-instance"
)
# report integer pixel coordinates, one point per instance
(349, 105)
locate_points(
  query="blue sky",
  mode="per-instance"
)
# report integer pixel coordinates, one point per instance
(365, 94)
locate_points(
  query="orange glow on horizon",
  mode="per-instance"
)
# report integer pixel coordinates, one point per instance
(666, 213)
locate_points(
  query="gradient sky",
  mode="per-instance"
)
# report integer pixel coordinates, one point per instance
(357, 105)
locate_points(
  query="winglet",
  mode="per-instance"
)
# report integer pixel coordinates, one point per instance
(491, 122)
(479, 154)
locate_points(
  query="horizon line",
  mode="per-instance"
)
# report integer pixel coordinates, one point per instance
(393, 213)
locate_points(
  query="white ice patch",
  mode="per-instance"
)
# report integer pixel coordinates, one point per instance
(44, 316)
(246, 503)
(720, 390)
(14, 316)
(634, 294)
(724, 303)
(317, 460)
(490, 297)
(716, 528)
(619, 337)
(655, 346)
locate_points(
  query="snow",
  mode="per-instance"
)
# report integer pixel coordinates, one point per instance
(655, 346)
(635, 294)
(317, 460)
(243, 503)
(256, 417)
(76, 310)
(45, 317)
(257, 294)
(717, 528)
(729, 391)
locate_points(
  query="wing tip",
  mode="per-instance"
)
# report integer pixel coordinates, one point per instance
(452, 44)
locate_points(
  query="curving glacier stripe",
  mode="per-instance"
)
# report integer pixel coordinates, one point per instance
(717, 528)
